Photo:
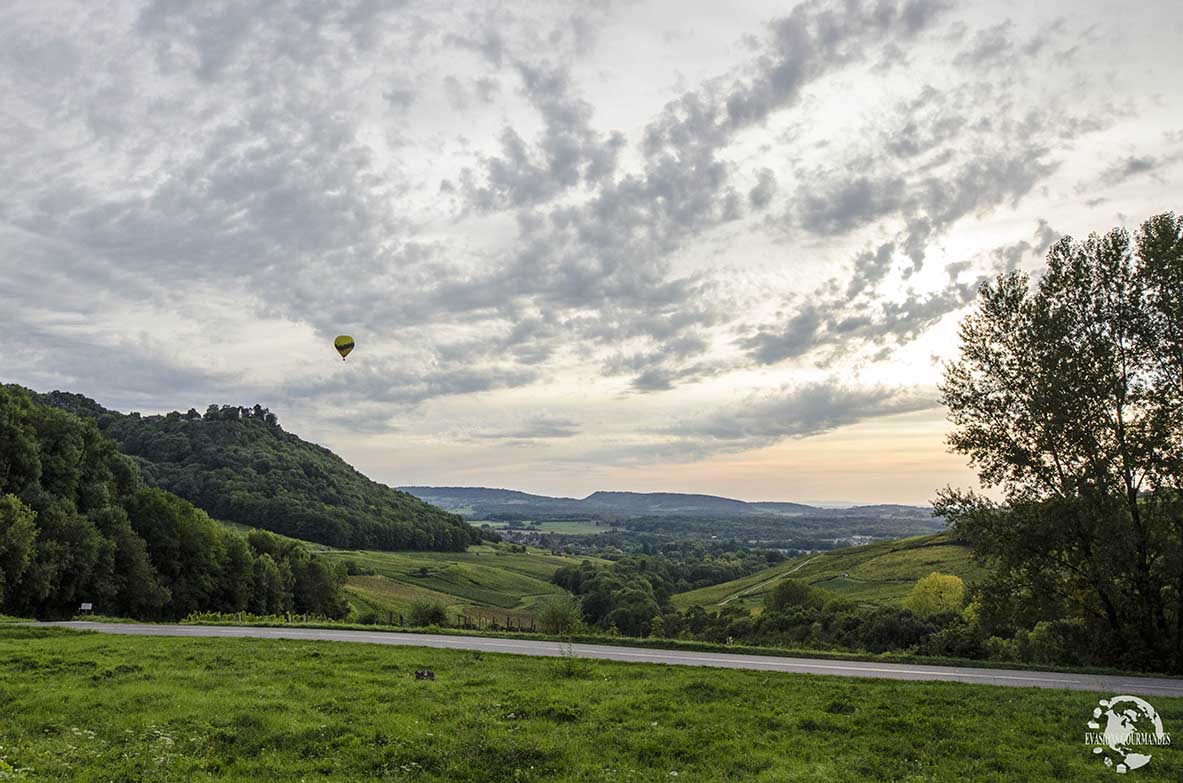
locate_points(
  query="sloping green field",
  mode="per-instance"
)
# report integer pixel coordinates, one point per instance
(490, 578)
(881, 573)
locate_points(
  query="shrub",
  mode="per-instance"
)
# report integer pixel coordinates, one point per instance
(999, 649)
(936, 593)
(791, 593)
(1058, 642)
(428, 613)
(560, 615)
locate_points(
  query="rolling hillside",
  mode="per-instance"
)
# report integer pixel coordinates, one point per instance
(239, 465)
(882, 573)
(490, 582)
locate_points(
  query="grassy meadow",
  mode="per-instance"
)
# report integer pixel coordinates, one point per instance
(89, 707)
(882, 573)
(485, 581)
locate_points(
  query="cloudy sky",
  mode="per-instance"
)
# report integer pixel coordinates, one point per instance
(711, 247)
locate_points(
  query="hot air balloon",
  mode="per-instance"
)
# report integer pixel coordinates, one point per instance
(343, 344)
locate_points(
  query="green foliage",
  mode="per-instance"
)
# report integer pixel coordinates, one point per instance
(1068, 398)
(239, 465)
(635, 589)
(78, 525)
(428, 613)
(560, 615)
(789, 594)
(936, 593)
(16, 540)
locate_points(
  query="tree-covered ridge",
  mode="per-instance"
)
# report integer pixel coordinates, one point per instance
(78, 524)
(239, 465)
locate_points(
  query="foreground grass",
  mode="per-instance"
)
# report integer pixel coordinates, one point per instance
(90, 707)
(882, 573)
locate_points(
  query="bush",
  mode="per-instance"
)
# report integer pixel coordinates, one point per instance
(1006, 650)
(560, 615)
(428, 613)
(936, 593)
(1059, 642)
(791, 593)
(957, 638)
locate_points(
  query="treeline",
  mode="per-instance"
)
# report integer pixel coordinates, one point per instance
(239, 465)
(78, 524)
(635, 589)
(801, 617)
(937, 619)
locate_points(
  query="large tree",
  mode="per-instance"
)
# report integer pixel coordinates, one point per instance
(1068, 399)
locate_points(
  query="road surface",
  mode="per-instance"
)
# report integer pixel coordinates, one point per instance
(1107, 684)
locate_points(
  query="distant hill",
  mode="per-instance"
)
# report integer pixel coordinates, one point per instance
(240, 466)
(774, 524)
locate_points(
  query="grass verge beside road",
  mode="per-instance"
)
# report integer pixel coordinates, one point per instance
(658, 644)
(96, 707)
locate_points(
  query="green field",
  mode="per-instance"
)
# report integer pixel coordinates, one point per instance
(87, 707)
(486, 581)
(570, 527)
(876, 573)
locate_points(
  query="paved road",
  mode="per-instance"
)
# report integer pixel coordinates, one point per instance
(1106, 684)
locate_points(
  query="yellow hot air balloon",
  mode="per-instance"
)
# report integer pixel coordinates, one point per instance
(343, 344)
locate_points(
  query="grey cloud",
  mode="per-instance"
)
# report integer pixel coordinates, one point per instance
(536, 428)
(569, 152)
(814, 38)
(839, 324)
(615, 244)
(829, 203)
(486, 40)
(131, 372)
(456, 92)
(400, 384)
(402, 97)
(262, 185)
(835, 205)
(1008, 258)
(841, 327)
(486, 88)
(799, 412)
(674, 360)
(869, 268)
(1127, 168)
(999, 45)
(761, 194)
(799, 336)
(991, 46)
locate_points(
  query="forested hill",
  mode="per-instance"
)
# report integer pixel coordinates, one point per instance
(239, 465)
(78, 525)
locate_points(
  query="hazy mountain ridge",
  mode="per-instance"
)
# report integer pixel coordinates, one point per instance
(774, 525)
(625, 504)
